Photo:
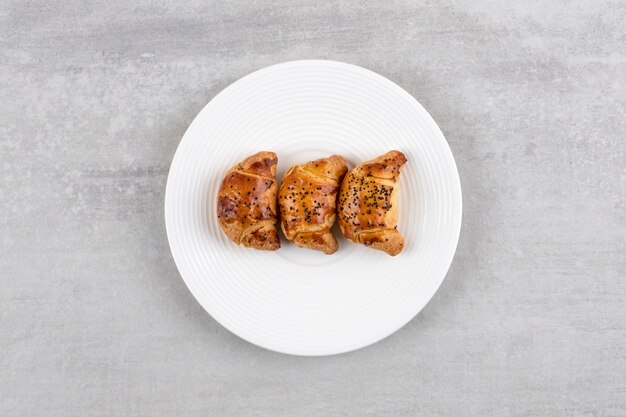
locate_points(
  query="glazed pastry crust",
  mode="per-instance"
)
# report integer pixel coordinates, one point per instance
(307, 201)
(367, 209)
(246, 202)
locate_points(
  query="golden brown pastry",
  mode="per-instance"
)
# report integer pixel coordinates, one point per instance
(307, 200)
(246, 203)
(367, 209)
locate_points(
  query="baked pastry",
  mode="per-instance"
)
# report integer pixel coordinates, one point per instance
(246, 202)
(367, 209)
(307, 201)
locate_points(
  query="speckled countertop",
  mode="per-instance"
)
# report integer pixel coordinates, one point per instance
(94, 318)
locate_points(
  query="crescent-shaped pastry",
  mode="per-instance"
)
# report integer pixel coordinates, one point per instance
(307, 201)
(246, 203)
(367, 207)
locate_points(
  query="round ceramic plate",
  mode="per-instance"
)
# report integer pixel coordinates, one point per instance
(295, 300)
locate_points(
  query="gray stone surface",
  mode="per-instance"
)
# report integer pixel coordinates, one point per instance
(94, 318)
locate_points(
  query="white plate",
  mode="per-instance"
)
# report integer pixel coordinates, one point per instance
(296, 300)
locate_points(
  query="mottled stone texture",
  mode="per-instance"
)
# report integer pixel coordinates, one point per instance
(94, 318)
